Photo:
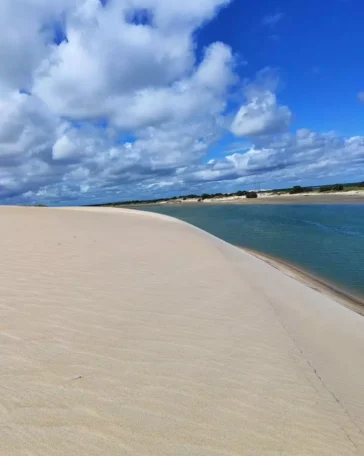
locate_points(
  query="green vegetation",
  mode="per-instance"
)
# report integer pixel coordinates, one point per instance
(354, 186)
(298, 189)
(251, 195)
(331, 188)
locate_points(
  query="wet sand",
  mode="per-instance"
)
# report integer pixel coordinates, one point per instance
(131, 333)
(355, 303)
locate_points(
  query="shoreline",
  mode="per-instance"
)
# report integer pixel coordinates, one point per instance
(334, 198)
(356, 197)
(343, 297)
(339, 294)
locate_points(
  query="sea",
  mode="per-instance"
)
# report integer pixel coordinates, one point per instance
(326, 241)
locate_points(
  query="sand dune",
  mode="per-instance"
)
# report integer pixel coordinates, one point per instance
(125, 333)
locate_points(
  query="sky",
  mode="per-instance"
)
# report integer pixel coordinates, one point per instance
(111, 100)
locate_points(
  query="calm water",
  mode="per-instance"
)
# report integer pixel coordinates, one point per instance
(326, 240)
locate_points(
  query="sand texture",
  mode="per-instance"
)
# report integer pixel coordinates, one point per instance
(126, 333)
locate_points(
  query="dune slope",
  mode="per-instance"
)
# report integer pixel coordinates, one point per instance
(126, 333)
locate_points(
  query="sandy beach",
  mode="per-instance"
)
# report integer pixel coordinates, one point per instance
(347, 197)
(310, 198)
(132, 333)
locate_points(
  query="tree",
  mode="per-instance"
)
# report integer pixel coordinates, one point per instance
(296, 189)
(329, 188)
(324, 188)
(251, 195)
(205, 196)
(338, 187)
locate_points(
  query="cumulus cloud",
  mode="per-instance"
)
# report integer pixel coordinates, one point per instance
(27, 31)
(64, 149)
(109, 100)
(111, 66)
(129, 66)
(261, 114)
(305, 154)
(27, 132)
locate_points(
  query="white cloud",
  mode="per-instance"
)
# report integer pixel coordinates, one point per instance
(361, 97)
(64, 148)
(261, 114)
(131, 65)
(203, 91)
(305, 154)
(112, 68)
(27, 128)
(123, 107)
(26, 38)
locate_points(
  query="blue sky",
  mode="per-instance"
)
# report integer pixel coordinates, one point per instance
(316, 47)
(125, 99)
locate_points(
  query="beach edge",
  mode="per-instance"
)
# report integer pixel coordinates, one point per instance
(343, 297)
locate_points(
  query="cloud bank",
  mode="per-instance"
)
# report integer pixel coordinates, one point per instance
(111, 100)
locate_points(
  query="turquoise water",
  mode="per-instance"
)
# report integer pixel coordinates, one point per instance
(326, 240)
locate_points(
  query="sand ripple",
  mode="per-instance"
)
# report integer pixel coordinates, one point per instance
(123, 334)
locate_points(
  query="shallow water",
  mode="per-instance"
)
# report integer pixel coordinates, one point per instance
(326, 240)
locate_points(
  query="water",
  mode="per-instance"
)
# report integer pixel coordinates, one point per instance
(325, 240)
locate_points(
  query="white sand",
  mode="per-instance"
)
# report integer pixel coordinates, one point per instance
(126, 334)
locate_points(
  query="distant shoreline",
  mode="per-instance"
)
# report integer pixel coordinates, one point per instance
(355, 303)
(309, 198)
(315, 198)
(306, 199)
